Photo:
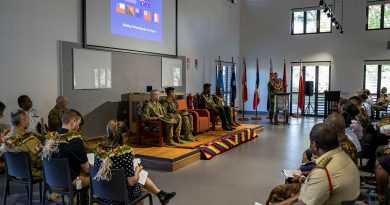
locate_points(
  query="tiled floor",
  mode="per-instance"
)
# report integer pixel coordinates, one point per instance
(242, 176)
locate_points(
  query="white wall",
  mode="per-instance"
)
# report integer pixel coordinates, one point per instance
(30, 31)
(265, 26)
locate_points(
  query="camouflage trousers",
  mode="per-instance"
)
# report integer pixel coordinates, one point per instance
(187, 124)
(173, 130)
(283, 192)
(272, 101)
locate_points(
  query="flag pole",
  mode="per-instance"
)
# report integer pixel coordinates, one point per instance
(300, 74)
(244, 94)
(256, 90)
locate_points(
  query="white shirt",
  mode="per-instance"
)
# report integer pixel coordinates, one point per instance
(366, 106)
(33, 117)
(354, 139)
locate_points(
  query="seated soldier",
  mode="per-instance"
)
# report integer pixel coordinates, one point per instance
(362, 117)
(220, 100)
(55, 114)
(207, 102)
(382, 173)
(115, 152)
(285, 191)
(184, 119)
(19, 141)
(68, 143)
(382, 102)
(335, 179)
(26, 104)
(153, 110)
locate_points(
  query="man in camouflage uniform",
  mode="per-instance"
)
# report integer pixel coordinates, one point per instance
(219, 99)
(31, 144)
(275, 86)
(206, 101)
(184, 119)
(153, 110)
(55, 114)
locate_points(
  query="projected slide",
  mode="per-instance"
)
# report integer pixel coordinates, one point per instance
(140, 19)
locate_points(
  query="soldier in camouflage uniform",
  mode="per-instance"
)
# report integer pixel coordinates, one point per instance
(275, 86)
(153, 110)
(55, 114)
(19, 141)
(207, 102)
(184, 119)
(219, 99)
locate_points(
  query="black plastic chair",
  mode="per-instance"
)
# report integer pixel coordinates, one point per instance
(115, 189)
(17, 169)
(57, 179)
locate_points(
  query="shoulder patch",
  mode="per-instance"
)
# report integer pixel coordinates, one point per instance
(322, 164)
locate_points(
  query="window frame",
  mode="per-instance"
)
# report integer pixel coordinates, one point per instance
(305, 10)
(382, 20)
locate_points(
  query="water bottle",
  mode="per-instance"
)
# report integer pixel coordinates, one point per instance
(373, 198)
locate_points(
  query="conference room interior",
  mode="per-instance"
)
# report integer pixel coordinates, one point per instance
(282, 68)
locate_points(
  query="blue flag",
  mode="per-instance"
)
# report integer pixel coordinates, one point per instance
(220, 75)
(233, 85)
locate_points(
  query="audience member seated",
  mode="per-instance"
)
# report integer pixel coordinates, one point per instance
(382, 102)
(26, 104)
(346, 145)
(365, 104)
(55, 114)
(2, 109)
(68, 143)
(207, 102)
(115, 154)
(153, 110)
(185, 122)
(19, 141)
(382, 173)
(349, 112)
(335, 178)
(362, 117)
(219, 100)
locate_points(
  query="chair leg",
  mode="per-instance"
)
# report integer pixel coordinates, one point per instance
(78, 198)
(63, 199)
(43, 195)
(30, 194)
(150, 199)
(40, 193)
(6, 191)
(70, 202)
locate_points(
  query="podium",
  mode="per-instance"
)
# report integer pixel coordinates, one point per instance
(282, 103)
(332, 99)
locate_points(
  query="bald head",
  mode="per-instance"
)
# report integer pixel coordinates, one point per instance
(62, 102)
(337, 121)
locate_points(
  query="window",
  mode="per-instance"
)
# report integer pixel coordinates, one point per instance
(376, 76)
(319, 74)
(378, 15)
(310, 21)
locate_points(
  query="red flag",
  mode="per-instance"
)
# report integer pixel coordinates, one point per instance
(301, 93)
(256, 96)
(244, 88)
(284, 78)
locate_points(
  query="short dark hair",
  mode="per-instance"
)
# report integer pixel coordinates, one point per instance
(16, 117)
(363, 96)
(69, 116)
(22, 99)
(342, 101)
(169, 90)
(351, 109)
(206, 85)
(356, 99)
(2, 106)
(325, 136)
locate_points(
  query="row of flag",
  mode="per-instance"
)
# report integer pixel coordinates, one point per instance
(122, 8)
(256, 95)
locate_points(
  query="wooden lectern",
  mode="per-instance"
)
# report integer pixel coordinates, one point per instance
(332, 99)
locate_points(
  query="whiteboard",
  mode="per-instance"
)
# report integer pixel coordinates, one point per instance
(171, 72)
(91, 69)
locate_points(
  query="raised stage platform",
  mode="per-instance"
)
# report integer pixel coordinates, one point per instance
(209, 144)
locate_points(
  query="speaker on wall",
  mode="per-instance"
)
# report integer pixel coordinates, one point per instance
(309, 88)
(149, 88)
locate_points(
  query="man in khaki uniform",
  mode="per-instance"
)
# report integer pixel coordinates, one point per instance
(184, 119)
(55, 114)
(153, 110)
(19, 141)
(207, 102)
(335, 178)
(219, 99)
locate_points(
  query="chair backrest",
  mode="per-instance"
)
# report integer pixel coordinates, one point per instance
(56, 173)
(115, 189)
(17, 165)
(182, 104)
(196, 100)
